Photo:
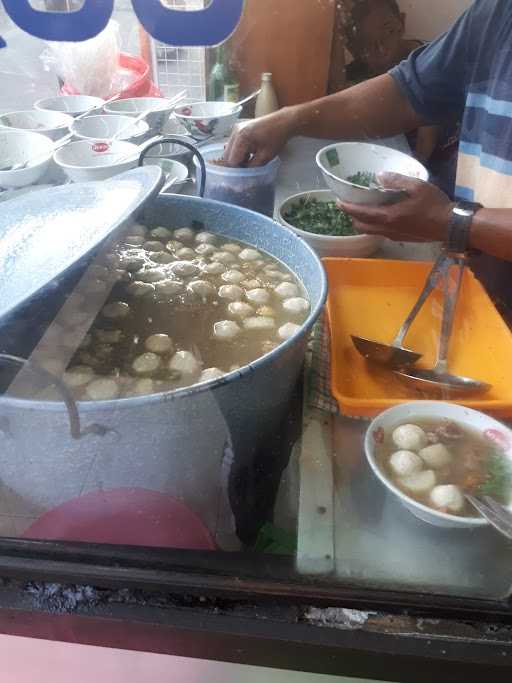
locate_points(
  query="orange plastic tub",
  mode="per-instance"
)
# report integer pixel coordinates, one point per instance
(371, 298)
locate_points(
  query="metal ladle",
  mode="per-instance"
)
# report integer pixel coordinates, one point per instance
(438, 378)
(394, 355)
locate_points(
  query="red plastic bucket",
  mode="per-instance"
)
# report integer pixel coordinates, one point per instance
(142, 86)
(126, 516)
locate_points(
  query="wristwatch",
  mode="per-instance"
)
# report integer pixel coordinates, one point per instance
(460, 225)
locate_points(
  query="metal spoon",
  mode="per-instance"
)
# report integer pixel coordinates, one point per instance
(168, 184)
(394, 355)
(35, 160)
(132, 124)
(438, 378)
(246, 99)
(497, 515)
(97, 106)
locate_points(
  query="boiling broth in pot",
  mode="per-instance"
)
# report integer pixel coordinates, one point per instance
(187, 307)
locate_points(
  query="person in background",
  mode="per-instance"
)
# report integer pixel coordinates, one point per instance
(466, 73)
(376, 39)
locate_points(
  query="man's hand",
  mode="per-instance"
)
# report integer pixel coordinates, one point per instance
(422, 216)
(258, 142)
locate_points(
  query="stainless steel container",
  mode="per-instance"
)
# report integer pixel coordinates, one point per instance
(197, 444)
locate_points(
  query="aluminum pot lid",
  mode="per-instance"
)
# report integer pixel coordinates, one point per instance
(44, 233)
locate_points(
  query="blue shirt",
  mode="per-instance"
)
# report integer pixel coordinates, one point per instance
(467, 72)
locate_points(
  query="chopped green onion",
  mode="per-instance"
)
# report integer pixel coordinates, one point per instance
(363, 179)
(320, 218)
(498, 482)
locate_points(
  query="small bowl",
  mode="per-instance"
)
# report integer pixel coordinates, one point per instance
(467, 417)
(171, 169)
(173, 151)
(105, 126)
(18, 147)
(173, 128)
(74, 105)
(345, 159)
(93, 160)
(53, 124)
(354, 246)
(159, 109)
(204, 120)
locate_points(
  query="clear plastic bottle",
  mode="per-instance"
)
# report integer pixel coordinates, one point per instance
(267, 101)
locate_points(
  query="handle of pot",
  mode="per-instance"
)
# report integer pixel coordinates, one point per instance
(189, 146)
(74, 417)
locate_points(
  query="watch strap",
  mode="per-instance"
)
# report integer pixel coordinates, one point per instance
(460, 226)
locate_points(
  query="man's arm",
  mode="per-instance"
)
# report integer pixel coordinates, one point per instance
(376, 108)
(424, 215)
(491, 232)
(425, 89)
(373, 109)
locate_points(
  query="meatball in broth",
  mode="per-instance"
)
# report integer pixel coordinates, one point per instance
(436, 462)
(186, 307)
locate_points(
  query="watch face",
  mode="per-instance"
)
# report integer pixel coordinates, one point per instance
(461, 211)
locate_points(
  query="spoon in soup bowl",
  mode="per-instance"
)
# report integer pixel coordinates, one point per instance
(496, 514)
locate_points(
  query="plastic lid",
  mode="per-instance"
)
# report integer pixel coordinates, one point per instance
(44, 233)
(267, 76)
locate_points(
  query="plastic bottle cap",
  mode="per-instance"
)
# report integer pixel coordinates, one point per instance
(266, 77)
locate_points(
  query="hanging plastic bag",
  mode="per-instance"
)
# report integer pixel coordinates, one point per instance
(23, 79)
(90, 67)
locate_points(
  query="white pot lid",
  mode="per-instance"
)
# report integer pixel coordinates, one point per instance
(44, 233)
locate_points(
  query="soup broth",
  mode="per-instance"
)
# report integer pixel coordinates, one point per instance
(187, 306)
(436, 461)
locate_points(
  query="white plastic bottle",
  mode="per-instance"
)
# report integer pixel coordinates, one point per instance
(266, 102)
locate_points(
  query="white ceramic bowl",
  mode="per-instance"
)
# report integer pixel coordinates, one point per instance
(407, 412)
(105, 126)
(91, 160)
(173, 127)
(53, 124)
(159, 109)
(18, 147)
(353, 246)
(204, 120)
(344, 159)
(74, 105)
(171, 169)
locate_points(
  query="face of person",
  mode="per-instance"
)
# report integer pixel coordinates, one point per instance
(382, 33)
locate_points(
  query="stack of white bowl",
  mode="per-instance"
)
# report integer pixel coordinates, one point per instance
(92, 154)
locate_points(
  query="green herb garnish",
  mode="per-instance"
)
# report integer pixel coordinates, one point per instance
(320, 218)
(363, 178)
(498, 482)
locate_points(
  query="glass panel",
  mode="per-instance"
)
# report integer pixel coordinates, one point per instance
(200, 393)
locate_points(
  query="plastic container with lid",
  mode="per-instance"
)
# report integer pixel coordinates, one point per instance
(252, 188)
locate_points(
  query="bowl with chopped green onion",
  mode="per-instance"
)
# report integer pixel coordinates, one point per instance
(351, 169)
(315, 217)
